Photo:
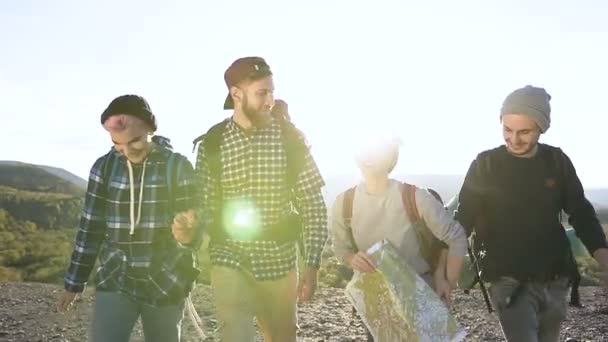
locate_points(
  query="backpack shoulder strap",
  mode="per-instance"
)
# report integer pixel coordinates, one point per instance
(408, 195)
(295, 146)
(558, 161)
(109, 168)
(174, 167)
(347, 206)
(427, 241)
(484, 163)
(347, 214)
(171, 175)
(211, 145)
(196, 141)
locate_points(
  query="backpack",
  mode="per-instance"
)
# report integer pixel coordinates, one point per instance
(430, 246)
(296, 149)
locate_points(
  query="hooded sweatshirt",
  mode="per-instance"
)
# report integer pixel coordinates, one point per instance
(126, 224)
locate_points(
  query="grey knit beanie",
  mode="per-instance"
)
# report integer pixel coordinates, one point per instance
(531, 101)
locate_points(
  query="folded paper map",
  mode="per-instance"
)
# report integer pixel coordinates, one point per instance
(396, 304)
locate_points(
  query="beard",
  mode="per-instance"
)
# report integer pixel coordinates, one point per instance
(258, 117)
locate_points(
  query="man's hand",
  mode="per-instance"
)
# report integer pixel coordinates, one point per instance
(308, 285)
(361, 262)
(183, 226)
(66, 300)
(443, 290)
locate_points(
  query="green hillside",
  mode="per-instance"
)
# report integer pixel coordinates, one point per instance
(30, 253)
(30, 177)
(39, 213)
(45, 209)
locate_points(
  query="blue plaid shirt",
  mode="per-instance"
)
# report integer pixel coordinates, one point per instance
(148, 265)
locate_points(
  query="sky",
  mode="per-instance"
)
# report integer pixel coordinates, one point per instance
(434, 72)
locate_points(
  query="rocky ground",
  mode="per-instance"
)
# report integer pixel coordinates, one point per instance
(27, 314)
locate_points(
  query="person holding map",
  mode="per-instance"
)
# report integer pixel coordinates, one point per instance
(377, 209)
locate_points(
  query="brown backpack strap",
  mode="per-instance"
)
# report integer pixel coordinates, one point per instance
(426, 239)
(347, 206)
(408, 195)
(347, 214)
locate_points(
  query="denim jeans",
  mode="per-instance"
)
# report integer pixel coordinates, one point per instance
(115, 314)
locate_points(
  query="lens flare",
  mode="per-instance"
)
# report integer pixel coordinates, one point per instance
(242, 220)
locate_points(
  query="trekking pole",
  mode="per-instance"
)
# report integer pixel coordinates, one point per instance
(482, 286)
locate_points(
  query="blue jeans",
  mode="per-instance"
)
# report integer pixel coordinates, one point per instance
(115, 314)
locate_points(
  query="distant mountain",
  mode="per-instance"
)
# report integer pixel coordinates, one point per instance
(65, 175)
(598, 196)
(602, 214)
(10, 163)
(448, 186)
(40, 178)
(46, 196)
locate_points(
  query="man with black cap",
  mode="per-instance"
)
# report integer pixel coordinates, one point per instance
(138, 221)
(511, 198)
(261, 192)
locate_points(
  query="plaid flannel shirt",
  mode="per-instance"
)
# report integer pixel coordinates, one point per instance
(254, 169)
(149, 265)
